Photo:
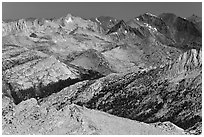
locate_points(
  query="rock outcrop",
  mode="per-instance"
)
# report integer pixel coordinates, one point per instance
(30, 73)
(29, 118)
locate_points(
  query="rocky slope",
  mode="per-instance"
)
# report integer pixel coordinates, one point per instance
(169, 93)
(183, 31)
(30, 118)
(197, 21)
(148, 69)
(105, 22)
(170, 29)
(30, 73)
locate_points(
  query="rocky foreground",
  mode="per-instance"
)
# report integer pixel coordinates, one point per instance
(102, 76)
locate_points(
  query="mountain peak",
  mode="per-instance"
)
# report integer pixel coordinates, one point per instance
(69, 18)
(69, 15)
(120, 25)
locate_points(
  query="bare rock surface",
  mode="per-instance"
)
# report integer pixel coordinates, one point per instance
(14, 55)
(160, 94)
(31, 73)
(93, 60)
(29, 118)
(38, 77)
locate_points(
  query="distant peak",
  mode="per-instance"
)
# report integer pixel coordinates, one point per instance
(69, 15)
(120, 24)
(69, 18)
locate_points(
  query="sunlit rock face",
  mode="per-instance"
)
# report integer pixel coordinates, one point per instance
(102, 75)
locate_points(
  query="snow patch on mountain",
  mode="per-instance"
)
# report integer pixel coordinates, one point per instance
(150, 27)
(69, 20)
(98, 21)
(150, 14)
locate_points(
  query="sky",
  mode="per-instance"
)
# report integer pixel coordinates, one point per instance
(119, 10)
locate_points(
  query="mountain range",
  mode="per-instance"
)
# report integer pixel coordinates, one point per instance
(102, 75)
